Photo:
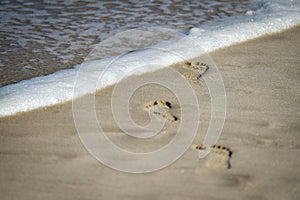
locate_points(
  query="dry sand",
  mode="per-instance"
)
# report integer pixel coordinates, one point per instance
(41, 156)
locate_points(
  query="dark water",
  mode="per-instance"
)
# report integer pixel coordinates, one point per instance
(40, 37)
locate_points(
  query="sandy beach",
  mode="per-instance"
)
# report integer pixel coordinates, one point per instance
(42, 157)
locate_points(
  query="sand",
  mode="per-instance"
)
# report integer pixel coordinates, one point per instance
(42, 157)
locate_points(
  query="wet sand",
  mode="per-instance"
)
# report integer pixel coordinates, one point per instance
(42, 157)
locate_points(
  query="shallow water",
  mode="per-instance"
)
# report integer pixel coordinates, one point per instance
(38, 38)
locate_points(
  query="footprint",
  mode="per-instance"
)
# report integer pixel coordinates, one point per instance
(192, 76)
(218, 157)
(160, 109)
(164, 104)
(196, 70)
(197, 67)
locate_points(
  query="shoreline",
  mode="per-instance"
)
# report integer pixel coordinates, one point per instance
(42, 155)
(98, 90)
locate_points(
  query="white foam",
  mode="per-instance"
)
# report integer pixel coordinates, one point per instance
(266, 17)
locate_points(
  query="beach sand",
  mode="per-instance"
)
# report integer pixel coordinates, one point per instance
(42, 157)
